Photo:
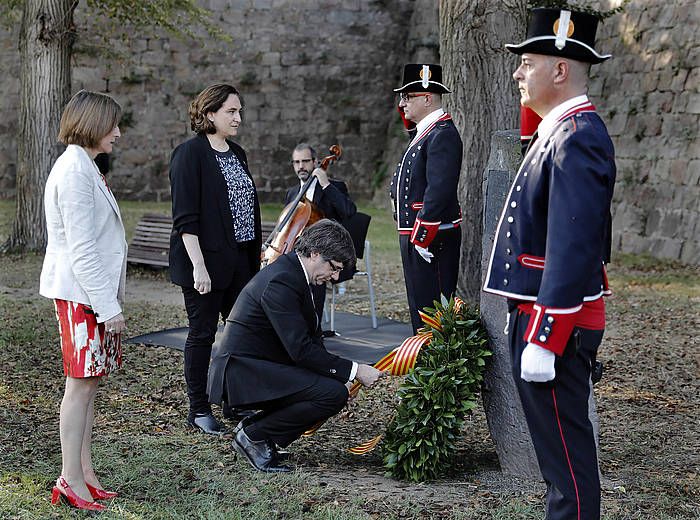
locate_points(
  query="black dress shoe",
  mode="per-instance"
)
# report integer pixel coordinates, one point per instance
(205, 422)
(235, 414)
(258, 453)
(279, 454)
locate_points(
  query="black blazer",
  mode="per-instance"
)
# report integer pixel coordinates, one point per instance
(271, 346)
(334, 201)
(201, 207)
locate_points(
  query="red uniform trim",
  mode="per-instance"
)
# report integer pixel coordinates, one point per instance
(532, 261)
(589, 315)
(429, 229)
(417, 205)
(566, 453)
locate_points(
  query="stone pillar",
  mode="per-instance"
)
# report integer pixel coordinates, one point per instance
(504, 412)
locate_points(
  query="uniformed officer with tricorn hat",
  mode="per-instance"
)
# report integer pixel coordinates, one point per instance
(549, 254)
(424, 191)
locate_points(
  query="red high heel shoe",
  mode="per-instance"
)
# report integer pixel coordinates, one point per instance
(101, 494)
(73, 499)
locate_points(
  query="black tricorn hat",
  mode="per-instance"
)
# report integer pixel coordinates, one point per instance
(560, 32)
(422, 78)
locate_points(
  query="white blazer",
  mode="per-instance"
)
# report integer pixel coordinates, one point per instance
(85, 258)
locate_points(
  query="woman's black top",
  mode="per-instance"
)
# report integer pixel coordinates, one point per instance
(202, 206)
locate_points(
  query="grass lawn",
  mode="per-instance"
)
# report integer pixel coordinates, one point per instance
(648, 403)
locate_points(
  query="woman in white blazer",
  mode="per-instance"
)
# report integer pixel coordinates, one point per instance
(84, 273)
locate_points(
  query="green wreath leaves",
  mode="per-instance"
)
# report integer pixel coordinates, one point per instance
(437, 395)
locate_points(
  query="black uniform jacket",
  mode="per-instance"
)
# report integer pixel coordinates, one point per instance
(334, 201)
(553, 236)
(201, 207)
(272, 346)
(424, 187)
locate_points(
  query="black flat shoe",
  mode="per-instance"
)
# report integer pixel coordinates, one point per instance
(205, 423)
(258, 453)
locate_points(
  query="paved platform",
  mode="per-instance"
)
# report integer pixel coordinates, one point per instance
(357, 341)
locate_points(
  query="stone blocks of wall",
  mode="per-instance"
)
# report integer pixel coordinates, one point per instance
(320, 71)
(649, 96)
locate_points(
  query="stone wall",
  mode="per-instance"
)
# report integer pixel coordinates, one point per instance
(323, 71)
(649, 96)
(309, 70)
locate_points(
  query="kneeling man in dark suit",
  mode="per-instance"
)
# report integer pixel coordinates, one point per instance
(271, 357)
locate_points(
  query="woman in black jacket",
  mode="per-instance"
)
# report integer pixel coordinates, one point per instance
(216, 239)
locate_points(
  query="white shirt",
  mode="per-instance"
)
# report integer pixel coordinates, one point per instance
(311, 189)
(353, 371)
(429, 120)
(552, 118)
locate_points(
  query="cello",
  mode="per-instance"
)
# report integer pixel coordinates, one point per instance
(295, 217)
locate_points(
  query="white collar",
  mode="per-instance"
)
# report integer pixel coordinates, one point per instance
(311, 190)
(553, 116)
(429, 120)
(306, 275)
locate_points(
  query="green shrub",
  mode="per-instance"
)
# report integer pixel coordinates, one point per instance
(437, 394)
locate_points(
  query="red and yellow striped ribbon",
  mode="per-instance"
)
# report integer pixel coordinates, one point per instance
(398, 362)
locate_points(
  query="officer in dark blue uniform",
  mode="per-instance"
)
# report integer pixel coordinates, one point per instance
(549, 255)
(424, 191)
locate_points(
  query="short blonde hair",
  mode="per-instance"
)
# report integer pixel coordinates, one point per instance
(87, 118)
(211, 99)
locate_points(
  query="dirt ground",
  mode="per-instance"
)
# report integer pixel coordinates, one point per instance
(648, 403)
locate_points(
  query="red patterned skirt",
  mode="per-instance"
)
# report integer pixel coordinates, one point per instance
(87, 350)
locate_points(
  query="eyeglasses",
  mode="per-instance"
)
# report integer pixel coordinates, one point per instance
(302, 161)
(406, 97)
(334, 268)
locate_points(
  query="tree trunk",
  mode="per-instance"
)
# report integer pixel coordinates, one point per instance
(46, 40)
(484, 99)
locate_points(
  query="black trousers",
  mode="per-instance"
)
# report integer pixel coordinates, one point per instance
(561, 431)
(203, 312)
(284, 420)
(425, 282)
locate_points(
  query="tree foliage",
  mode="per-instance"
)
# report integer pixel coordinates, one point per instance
(437, 394)
(47, 33)
(580, 6)
(178, 17)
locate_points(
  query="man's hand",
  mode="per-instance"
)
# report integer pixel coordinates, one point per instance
(424, 253)
(322, 177)
(368, 375)
(537, 364)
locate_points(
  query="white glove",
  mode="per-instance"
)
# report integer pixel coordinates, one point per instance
(537, 364)
(424, 253)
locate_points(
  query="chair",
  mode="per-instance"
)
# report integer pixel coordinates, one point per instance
(357, 226)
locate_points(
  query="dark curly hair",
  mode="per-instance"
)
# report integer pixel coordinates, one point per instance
(209, 100)
(329, 239)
